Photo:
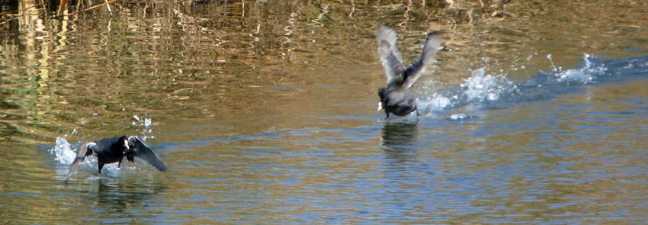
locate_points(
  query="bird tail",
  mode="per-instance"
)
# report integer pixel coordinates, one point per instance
(83, 152)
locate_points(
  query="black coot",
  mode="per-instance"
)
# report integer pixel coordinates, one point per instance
(113, 150)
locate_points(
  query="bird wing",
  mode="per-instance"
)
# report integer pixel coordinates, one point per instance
(145, 153)
(388, 52)
(81, 154)
(430, 49)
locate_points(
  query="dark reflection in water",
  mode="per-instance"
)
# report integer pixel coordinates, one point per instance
(119, 193)
(397, 136)
(121, 199)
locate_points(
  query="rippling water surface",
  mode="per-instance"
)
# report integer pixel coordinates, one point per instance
(264, 112)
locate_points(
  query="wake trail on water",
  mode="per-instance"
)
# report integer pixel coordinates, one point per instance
(497, 91)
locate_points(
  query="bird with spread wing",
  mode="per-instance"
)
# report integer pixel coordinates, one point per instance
(396, 98)
(113, 150)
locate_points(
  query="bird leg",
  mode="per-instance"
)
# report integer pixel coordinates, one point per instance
(100, 167)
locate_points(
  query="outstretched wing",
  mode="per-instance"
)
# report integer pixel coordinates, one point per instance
(388, 52)
(81, 154)
(145, 153)
(430, 49)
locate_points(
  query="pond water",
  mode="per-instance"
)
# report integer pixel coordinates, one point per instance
(264, 112)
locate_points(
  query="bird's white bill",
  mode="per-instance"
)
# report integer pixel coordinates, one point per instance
(380, 106)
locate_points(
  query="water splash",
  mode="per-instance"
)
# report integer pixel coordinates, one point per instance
(145, 123)
(553, 66)
(63, 151)
(482, 89)
(479, 87)
(585, 75)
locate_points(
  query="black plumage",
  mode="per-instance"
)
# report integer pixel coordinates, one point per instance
(113, 150)
(396, 98)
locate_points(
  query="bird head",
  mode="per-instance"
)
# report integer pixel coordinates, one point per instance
(124, 141)
(383, 101)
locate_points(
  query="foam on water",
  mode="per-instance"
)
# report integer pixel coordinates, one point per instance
(459, 117)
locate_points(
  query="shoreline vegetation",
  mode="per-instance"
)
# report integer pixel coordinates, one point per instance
(454, 11)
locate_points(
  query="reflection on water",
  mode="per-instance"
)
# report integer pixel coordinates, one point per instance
(264, 110)
(111, 200)
(395, 136)
(116, 195)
